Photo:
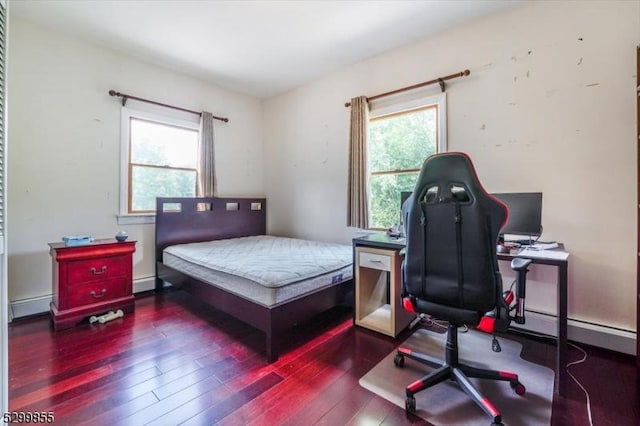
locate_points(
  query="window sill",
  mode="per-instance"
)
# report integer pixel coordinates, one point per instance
(136, 219)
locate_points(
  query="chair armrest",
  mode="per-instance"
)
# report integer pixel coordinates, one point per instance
(518, 263)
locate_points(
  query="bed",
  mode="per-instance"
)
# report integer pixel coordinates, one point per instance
(190, 231)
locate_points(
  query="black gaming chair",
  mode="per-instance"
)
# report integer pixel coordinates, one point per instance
(450, 270)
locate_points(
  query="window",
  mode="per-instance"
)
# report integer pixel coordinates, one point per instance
(160, 159)
(401, 137)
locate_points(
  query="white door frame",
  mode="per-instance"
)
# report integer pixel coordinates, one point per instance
(4, 299)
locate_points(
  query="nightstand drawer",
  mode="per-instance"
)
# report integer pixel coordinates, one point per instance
(96, 293)
(83, 271)
(375, 261)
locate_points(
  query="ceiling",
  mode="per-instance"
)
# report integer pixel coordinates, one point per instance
(261, 48)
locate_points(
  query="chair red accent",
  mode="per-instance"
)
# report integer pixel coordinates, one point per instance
(408, 305)
(487, 324)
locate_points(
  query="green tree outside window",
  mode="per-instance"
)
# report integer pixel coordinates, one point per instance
(398, 145)
(163, 163)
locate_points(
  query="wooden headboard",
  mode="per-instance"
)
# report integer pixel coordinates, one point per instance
(186, 220)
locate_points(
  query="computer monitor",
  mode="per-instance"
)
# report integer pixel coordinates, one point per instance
(404, 195)
(525, 213)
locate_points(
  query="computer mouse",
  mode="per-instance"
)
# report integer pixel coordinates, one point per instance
(502, 249)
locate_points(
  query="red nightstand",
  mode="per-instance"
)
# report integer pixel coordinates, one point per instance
(90, 279)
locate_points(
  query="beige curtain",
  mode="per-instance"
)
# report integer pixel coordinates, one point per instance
(206, 176)
(358, 203)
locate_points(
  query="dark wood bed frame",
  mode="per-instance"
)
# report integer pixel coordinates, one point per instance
(206, 219)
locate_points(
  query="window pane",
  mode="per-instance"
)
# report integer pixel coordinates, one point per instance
(163, 145)
(385, 197)
(402, 141)
(150, 182)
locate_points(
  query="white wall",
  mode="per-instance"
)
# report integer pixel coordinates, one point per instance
(65, 146)
(549, 106)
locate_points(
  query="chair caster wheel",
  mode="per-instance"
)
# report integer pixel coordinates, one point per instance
(518, 387)
(410, 405)
(398, 361)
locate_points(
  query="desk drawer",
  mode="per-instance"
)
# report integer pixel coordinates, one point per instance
(375, 261)
(98, 292)
(83, 271)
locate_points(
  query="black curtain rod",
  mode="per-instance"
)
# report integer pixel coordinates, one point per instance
(440, 81)
(125, 97)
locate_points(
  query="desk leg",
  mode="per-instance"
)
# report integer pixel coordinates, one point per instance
(561, 360)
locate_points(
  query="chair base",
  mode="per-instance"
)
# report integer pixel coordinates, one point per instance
(451, 369)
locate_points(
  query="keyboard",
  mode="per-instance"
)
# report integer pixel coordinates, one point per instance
(521, 242)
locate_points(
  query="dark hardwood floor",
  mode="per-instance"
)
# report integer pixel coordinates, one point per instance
(175, 361)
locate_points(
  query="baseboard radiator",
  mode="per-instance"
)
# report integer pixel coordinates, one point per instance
(601, 336)
(39, 305)
(614, 339)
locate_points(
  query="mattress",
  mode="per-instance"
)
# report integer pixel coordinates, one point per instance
(265, 269)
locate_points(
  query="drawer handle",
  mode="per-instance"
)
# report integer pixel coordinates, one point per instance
(94, 271)
(375, 261)
(98, 296)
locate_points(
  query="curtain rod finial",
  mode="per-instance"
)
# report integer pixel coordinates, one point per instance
(113, 92)
(466, 73)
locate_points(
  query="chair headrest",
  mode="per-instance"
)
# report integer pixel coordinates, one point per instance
(450, 177)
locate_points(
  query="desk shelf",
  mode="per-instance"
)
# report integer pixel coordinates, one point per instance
(378, 306)
(378, 320)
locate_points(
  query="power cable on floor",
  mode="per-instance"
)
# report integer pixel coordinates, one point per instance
(580, 361)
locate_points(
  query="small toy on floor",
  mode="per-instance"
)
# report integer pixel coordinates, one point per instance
(109, 316)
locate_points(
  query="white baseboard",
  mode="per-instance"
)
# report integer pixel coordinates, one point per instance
(614, 339)
(39, 305)
(144, 284)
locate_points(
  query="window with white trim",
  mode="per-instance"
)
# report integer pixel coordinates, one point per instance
(159, 159)
(401, 136)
